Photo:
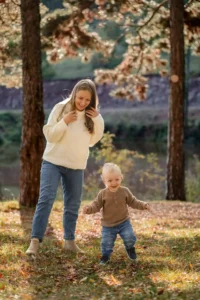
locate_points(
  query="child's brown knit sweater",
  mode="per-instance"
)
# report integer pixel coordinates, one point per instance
(114, 205)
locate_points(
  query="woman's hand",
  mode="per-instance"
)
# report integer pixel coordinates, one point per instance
(70, 117)
(92, 113)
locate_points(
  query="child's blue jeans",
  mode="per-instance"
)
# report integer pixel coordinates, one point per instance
(109, 235)
(72, 182)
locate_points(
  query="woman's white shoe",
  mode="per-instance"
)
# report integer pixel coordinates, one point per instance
(33, 248)
(71, 246)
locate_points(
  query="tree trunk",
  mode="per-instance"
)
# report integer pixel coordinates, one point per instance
(32, 145)
(175, 161)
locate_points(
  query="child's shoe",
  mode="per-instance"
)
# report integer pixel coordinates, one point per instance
(71, 246)
(104, 260)
(131, 253)
(33, 248)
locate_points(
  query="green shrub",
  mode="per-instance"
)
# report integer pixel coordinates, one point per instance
(1, 141)
(193, 182)
(10, 128)
(142, 174)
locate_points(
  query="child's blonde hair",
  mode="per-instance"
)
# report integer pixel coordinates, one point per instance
(110, 168)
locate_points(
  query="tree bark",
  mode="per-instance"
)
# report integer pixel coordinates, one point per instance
(175, 160)
(32, 144)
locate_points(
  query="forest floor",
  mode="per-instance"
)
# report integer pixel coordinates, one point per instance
(168, 249)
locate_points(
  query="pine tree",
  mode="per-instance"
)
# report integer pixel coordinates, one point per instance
(175, 162)
(32, 144)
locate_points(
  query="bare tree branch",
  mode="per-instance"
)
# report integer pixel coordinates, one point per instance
(141, 53)
(138, 28)
(15, 3)
(116, 41)
(153, 14)
(190, 2)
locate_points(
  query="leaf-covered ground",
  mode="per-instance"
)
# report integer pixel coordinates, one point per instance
(168, 249)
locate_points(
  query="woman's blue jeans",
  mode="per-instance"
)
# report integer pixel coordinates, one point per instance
(109, 235)
(72, 182)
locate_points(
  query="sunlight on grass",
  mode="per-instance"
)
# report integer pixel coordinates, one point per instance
(111, 280)
(58, 205)
(9, 205)
(176, 279)
(168, 249)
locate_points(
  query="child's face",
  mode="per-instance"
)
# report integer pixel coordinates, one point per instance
(82, 99)
(112, 180)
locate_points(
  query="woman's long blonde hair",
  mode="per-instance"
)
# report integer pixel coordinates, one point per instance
(88, 85)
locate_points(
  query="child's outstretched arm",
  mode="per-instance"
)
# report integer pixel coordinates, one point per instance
(95, 206)
(133, 202)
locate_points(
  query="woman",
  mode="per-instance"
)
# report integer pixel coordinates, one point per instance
(73, 126)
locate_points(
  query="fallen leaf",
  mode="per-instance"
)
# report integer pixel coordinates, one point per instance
(83, 279)
(160, 291)
(26, 297)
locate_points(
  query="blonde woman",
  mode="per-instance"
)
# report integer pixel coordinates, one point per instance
(73, 126)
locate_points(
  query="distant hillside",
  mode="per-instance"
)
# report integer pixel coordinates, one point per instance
(55, 91)
(138, 121)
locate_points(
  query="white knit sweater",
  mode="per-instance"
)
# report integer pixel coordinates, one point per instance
(68, 145)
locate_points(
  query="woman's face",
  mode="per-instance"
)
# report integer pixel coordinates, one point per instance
(82, 99)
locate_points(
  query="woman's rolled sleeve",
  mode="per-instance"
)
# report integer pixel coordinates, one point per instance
(54, 130)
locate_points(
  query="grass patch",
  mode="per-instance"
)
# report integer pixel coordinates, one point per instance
(168, 251)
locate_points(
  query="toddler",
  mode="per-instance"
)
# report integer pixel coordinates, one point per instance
(114, 201)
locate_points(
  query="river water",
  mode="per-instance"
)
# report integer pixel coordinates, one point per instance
(10, 168)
